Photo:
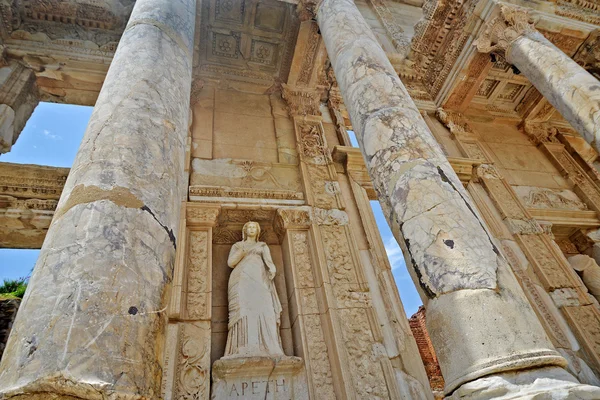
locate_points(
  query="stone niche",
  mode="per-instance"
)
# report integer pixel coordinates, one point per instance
(225, 234)
(197, 330)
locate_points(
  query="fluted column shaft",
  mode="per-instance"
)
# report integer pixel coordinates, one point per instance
(479, 320)
(91, 323)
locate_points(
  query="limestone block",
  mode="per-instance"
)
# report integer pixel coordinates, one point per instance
(259, 378)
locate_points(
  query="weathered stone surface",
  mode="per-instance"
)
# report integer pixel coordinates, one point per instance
(93, 320)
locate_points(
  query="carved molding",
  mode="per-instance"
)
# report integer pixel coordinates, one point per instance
(504, 29)
(192, 370)
(310, 55)
(32, 181)
(210, 193)
(553, 328)
(198, 292)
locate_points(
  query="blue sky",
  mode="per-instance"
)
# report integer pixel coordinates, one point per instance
(52, 136)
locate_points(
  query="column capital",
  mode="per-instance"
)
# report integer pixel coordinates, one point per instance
(501, 31)
(301, 101)
(307, 9)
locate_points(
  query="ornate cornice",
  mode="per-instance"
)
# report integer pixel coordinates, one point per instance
(504, 29)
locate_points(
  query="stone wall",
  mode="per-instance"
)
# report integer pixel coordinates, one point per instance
(8, 312)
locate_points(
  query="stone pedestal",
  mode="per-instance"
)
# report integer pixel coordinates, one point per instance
(281, 378)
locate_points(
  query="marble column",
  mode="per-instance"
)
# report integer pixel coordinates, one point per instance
(92, 322)
(478, 317)
(573, 91)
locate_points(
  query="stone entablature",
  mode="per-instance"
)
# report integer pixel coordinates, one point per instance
(28, 197)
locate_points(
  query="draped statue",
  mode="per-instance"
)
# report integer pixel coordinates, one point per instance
(254, 307)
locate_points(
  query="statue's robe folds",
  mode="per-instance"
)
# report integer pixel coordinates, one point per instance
(254, 307)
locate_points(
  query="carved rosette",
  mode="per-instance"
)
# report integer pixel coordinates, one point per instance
(503, 30)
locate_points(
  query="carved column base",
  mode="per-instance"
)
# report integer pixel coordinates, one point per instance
(498, 341)
(536, 383)
(259, 378)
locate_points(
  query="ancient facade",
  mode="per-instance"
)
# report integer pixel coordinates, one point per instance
(478, 123)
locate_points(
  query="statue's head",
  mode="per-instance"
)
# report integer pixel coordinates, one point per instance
(251, 229)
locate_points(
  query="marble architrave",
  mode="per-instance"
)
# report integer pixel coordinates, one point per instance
(455, 261)
(573, 91)
(92, 321)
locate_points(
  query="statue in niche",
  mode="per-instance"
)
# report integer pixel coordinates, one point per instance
(254, 307)
(589, 272)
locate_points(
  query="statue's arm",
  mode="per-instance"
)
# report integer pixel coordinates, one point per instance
(235, 255)
(266, 254)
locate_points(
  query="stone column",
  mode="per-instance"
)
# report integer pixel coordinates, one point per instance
(18, 99)
(92, 322)
(573, 91)
(478, 317)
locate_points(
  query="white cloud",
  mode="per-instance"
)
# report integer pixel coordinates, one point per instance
(393, 252)
(50, 135)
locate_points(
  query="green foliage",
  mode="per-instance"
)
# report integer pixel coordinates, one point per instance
(13, 288)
